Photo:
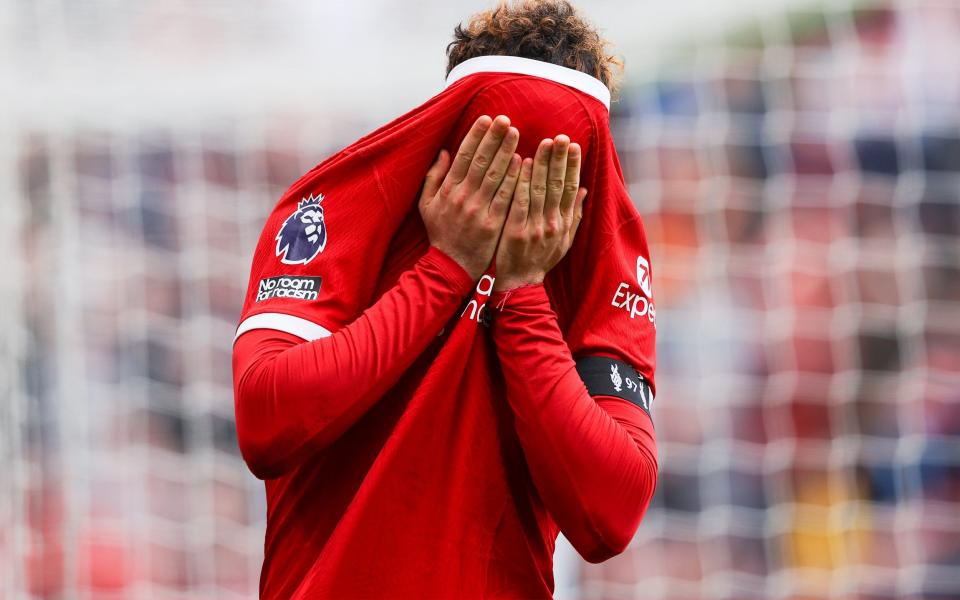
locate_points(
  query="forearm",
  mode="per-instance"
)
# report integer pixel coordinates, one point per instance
(293, 396)
(593, 461)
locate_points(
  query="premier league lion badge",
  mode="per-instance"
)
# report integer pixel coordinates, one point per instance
(304, 234)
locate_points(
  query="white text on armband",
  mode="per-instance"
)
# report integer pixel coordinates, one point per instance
(635, 303)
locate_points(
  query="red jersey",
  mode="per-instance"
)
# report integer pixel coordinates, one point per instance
(416, 476)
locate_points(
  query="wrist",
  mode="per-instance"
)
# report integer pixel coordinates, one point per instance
(467, 263)
(450, 269)
(524, 298)
(506, 283)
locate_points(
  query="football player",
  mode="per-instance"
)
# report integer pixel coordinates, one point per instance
(435, 376)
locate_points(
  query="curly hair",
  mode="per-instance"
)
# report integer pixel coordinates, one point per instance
(547, 30)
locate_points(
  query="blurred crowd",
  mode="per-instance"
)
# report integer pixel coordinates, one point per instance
(800, 186)
(802, 196)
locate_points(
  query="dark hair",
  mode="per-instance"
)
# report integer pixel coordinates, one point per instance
(548, 30)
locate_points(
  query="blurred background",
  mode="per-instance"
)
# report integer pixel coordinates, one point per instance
(798, 167)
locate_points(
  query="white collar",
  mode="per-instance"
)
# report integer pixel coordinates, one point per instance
(527, 66)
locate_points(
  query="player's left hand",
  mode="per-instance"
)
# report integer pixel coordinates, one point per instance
(546, 211)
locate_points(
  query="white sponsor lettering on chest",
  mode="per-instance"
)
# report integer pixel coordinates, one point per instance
(635, 303)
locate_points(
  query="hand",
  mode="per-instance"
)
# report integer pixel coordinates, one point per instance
(464, 211)
(546, 211)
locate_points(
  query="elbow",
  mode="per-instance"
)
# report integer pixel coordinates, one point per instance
(605, 551)
(272, 445)
(261, 436)
(262, 470)
(614, 528)
(610, 540)
(259, 456)
(259, 447)
(266, 435)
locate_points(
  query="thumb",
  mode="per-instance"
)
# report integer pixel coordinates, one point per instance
(433, 180)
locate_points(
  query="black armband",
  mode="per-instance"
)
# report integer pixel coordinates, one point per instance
(609, 377)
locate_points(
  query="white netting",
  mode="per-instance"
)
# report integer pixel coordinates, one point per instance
(801, 188)
(800, 182)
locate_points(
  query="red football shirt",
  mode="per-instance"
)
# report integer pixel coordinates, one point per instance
(426, 491)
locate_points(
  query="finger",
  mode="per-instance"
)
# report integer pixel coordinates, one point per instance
(501, 162)
(468, 147)
(538, 180)
(577, 213)
(504, 194)
(556, 175)
(487, 150)
(571, 182)
(434, 177)
(520, 207)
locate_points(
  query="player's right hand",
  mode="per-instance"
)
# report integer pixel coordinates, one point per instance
(464, 205)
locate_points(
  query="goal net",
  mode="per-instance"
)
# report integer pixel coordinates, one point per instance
(800, 183)
(799, 177)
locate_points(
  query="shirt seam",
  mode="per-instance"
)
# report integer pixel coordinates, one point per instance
(378, 180)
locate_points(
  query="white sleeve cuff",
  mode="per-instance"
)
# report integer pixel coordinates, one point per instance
(302, 328)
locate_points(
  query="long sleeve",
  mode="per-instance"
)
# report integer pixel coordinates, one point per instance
(593, 460)
(294, 396)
